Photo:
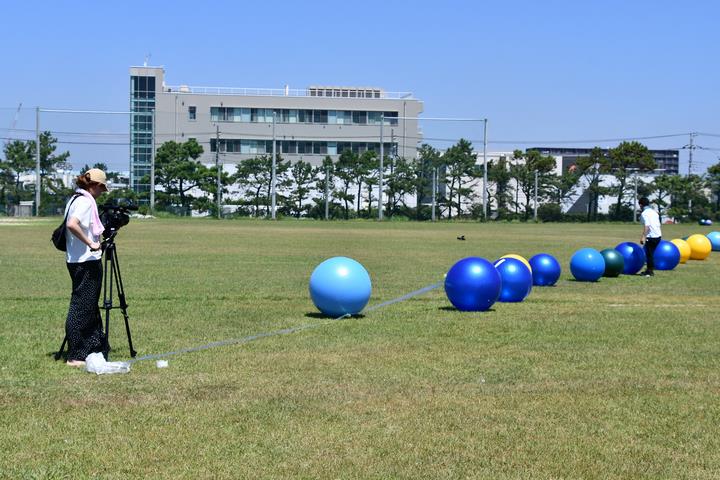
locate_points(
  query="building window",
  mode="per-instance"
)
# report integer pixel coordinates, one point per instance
(359, 118)
(305, 116)
(391, 118)
(373, 118)
(192, 113)
(320, 116)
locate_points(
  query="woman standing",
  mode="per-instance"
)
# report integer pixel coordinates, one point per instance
(83, 327)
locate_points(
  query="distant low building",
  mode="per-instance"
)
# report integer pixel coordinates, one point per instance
(667, 160)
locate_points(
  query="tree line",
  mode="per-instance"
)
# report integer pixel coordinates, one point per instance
(350, 183)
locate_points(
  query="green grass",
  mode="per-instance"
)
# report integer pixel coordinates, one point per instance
(615, 379)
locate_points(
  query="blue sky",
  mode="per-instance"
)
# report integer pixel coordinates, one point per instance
(538, 70)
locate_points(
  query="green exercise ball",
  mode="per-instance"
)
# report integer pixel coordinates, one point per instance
(614, 262)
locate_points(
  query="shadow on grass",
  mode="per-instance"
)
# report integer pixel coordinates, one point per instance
(329, 317)
(53, 355)
(453, 309)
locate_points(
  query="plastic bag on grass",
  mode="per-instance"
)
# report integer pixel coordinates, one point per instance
(96, 363)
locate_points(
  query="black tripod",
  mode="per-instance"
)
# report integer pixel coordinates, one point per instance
(111, 276)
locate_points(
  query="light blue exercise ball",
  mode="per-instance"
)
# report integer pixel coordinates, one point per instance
(714, 238)
(587, 265)
(340, 286)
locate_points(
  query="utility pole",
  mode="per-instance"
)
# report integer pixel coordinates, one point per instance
(37, 162)
(485, 172)
(380, 172)
(536, 197)
(434, 189)
(635, 193)
(691, 147)
(152, 166)
(217, 166)
(327, 192)
(274, 156)
(393, 154)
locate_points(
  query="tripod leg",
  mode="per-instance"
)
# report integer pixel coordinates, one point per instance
(123, 303)
(107, 292)
(59, 353)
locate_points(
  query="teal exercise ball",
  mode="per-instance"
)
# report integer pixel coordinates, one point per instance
(614, 262)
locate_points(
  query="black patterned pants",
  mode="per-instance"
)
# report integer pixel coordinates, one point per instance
(83, 328)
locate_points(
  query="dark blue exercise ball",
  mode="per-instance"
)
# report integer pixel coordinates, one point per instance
(587, 265)
(633, 255)
(667, 256)
(516, 279)
(472, 284)
(545, 270)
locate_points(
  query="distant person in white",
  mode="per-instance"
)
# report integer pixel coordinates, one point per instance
(651, 234)
(83, 327)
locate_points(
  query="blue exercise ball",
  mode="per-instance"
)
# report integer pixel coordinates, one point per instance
(340, 286)
(545, 270)
(667, 256)
(472, 284)
(516, 279)
(714, 238)
(587, 265)
(633, 255)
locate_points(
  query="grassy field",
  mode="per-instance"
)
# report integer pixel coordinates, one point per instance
(615, 379)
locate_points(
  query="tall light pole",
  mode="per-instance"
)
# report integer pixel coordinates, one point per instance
(152, 165)
(691, 147)
(434, 189)
(327, 191)
(380, 172)
(217, 167)
(37, 162)
(274, 156)
(634, 170)
(536, 197)
(485, 172)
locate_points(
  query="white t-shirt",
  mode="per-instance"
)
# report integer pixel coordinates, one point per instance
(651, 219)
(77, 250)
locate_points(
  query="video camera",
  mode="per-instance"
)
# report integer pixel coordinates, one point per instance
(115, 214)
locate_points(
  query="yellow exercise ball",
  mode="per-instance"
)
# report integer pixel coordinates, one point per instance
(518, 257)
(700, 246)
(684, 248)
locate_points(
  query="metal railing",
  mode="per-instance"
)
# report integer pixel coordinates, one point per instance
(320, 92)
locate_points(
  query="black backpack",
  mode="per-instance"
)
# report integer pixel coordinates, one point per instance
(59, 234)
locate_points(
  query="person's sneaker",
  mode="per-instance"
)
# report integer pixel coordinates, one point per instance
(647, 274)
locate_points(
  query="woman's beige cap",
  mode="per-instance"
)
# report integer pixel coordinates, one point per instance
(98, 176)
